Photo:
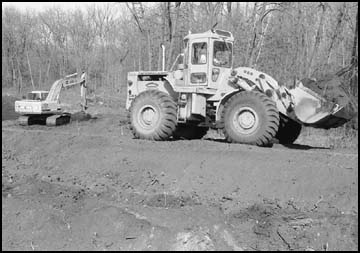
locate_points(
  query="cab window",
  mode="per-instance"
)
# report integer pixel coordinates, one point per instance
(199, 53)
(222, 54)
(44, 95)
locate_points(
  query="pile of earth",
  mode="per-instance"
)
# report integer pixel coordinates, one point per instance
(81, 116)
(331, 87)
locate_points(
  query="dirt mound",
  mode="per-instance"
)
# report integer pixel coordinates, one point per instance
(8, 110)
(278, 227)
(329, 87)
(81, 116)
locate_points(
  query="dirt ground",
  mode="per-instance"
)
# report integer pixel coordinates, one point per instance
(89, 185)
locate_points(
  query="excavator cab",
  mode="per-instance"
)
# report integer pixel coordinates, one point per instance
(37, 95)
(45, 107)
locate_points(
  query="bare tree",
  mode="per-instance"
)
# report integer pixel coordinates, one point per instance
(173, 31)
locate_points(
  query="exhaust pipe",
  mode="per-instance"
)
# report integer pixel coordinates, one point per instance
(163, 56)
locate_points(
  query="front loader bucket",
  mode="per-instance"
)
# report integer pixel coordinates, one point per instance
(314, 110)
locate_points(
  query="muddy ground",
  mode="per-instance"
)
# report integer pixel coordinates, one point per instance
(89, 185)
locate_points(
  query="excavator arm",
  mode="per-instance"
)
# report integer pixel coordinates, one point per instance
(66, 82)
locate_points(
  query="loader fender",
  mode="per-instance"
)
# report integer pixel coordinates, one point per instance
(266, 84)
(222, 102)
(136, 87)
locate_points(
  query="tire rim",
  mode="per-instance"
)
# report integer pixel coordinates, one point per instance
(148, 117)
(245, 120)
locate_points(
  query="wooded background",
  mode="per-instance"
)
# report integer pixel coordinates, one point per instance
(286, 40)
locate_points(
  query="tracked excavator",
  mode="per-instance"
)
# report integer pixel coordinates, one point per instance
(44, 107)
(202, 90)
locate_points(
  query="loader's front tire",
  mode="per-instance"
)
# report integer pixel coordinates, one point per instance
(289, 130)
(250, 117)
(153, 116)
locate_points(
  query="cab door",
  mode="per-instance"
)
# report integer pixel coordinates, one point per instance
(198, 63)
(221, 63)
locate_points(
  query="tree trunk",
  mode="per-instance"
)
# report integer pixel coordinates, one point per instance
(296, 59)
(354, 61)
(13, 72)
(40, 78)
(169, 21)
(229, 8)
(256, 42)
(29, 66)
(48, 71)
(262, 38)
(163, 17)
(20, 76)
(173, 34)
(317, 40)
(149, 50)
(246, 9)
(139, 57)
(337, 32)
(252, 43)
(354, 51)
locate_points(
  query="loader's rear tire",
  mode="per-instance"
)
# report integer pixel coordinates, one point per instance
(189, 132)
(153, 116)
(289, 130)
(250, 117)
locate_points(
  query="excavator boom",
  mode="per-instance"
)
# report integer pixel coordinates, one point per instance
(68, 81)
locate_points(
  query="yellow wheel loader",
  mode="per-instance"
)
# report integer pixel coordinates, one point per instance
(44, 107)
(202, 90)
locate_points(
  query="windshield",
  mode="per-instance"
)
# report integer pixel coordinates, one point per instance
(222, 54)
(37, 96)
(179, 60)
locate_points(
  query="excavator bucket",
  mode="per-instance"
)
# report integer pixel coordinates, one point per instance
(318, 111)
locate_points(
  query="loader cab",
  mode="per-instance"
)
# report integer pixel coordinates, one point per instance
(207, 58)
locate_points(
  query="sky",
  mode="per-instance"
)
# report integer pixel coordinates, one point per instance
(40, 6)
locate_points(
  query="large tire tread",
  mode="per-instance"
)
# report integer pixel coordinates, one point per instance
(270, 122)
(289, 130)
(167, 111)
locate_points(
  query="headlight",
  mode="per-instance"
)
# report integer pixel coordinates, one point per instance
(215, 74)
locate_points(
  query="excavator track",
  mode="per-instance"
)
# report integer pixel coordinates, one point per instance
(57, 120)
(27, 120)
(23, 120)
